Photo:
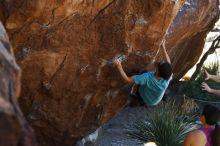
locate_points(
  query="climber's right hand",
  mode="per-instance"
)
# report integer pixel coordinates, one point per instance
(117, 62)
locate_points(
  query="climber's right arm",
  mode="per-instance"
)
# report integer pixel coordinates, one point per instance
(165, 52)
(117, 62)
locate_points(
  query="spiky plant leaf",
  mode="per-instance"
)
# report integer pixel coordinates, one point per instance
(162, 125)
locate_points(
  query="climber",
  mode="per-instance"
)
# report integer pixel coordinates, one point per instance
(206, 86)
(151, 84)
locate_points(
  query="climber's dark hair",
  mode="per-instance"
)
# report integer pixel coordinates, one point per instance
(164, 70)
(212, 116)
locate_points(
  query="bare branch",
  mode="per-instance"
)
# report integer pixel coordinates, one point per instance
(215, 45)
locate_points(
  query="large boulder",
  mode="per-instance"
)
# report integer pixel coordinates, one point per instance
(65, 49)
(14, 130)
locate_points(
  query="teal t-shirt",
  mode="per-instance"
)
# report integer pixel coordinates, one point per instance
(151, 90)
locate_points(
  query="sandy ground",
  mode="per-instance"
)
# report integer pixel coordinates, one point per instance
(115, 129)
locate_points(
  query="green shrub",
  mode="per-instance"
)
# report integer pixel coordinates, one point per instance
(194, 90)
(165, 125)
(212, 68)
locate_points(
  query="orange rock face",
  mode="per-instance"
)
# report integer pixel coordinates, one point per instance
(65, 48)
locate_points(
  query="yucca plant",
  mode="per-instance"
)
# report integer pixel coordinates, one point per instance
(165, 125)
